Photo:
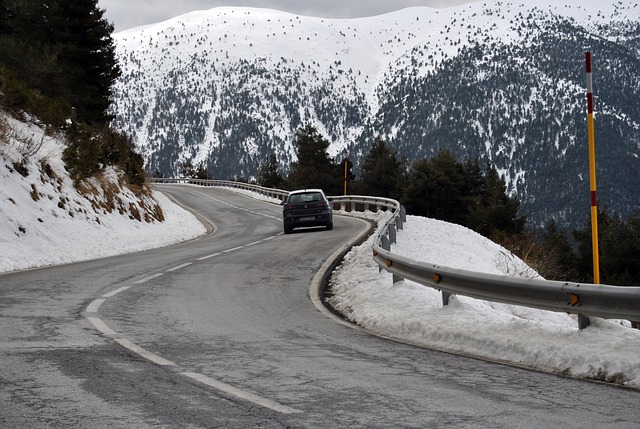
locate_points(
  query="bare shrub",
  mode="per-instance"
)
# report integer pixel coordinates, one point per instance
(28, 146)
(5, 132)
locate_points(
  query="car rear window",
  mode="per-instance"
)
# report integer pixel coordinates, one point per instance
(306, 198)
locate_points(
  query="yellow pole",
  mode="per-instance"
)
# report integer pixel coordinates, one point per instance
(592, 174)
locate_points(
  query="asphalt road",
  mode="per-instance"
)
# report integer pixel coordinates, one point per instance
(221, 332)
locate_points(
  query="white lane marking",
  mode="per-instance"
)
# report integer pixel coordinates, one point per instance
(210, 256)
(101, 326)
(95, 305)
(146, 279)
(273, 236)
(240, 208)
(179, 267)
(115, 292)
(152, 357)
(239, 393)
(144, 353)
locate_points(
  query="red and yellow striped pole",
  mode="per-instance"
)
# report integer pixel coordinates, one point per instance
(592, 174)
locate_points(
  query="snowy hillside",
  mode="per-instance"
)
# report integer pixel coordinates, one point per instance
(350, 57)
(45, 220)
(495, 81)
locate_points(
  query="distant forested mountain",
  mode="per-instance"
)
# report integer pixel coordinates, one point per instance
(496, 81)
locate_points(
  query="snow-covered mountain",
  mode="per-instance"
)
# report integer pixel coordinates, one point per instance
(496, 81)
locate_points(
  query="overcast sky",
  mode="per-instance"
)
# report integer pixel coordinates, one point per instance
(126, 14)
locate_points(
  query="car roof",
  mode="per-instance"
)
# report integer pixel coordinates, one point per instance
(306, 191)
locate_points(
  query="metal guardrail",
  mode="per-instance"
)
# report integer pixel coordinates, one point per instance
(362, 203)
(267, 192)
(585, 299)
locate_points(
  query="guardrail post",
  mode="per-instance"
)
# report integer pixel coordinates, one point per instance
(392, 233)
(397, 279)
(398, 223)
(583, 322)
(445, 298)
(384, 243)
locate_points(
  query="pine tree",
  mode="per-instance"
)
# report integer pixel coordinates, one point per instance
(271, 177)
(436, 189)
(443, 188)
(64, 49)
(5, 17)
(560, 260)
(494, 209)
(382, 172)
(314, 167)
(619, 245)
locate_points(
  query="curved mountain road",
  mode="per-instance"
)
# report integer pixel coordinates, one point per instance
(220, 332)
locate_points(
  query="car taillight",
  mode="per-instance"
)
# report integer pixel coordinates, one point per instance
(323, 204)
(289, 207)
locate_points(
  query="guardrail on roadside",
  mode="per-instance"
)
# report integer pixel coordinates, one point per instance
(359, 203)
(267, 192)
(585, 299)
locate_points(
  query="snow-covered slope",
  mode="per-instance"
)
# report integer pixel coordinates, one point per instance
(45, 220)
(372, 46)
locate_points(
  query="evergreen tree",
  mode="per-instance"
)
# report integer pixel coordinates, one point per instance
(271, 177)
(493, 208)
(436, 189)
(202, 172)
(314, 168)
(443, 188)
(382, 173)
(418, 192)
(560, 260)
(619, 245)
(5, 17)
(64, 49)
(187, 169)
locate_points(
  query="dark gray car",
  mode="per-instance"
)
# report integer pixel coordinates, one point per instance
(305, 208)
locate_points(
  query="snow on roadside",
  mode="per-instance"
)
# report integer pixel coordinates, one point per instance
(523, 336)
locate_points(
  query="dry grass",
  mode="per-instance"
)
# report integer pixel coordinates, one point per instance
(35, 195)
(105, 196)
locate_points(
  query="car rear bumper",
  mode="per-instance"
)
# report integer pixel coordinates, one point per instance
(321, 219)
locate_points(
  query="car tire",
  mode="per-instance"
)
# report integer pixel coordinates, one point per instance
(330, 226)
(288, 230)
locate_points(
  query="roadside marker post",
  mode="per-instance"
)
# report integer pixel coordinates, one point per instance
(583, 321)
